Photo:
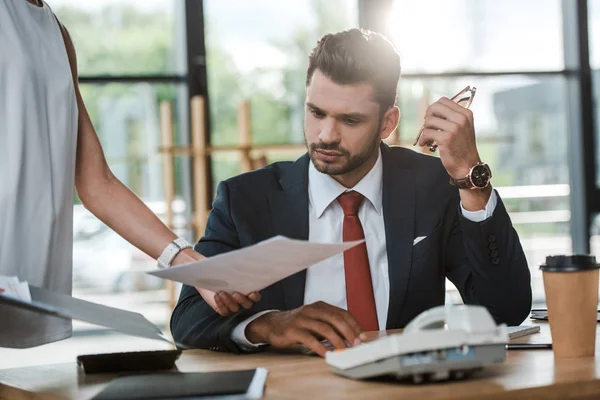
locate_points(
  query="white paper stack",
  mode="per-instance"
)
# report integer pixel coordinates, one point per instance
(10, 286)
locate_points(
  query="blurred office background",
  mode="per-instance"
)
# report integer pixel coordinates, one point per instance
(535, 63)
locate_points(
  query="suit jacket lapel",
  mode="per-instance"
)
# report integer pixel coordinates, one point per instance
(399, 220)
(289, 208)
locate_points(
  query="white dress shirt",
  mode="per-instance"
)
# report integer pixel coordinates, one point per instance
(325, 281)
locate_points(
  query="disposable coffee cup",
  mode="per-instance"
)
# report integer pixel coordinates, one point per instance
(571, 286)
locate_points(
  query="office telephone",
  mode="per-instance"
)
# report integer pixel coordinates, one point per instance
(445, 342)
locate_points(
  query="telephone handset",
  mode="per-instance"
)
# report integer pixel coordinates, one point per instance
(434, 318)
(465, 318)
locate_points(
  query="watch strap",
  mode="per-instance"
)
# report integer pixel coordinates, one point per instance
(462, 183)
(171, 251)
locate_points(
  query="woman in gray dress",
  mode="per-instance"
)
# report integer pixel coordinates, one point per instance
(48, 146)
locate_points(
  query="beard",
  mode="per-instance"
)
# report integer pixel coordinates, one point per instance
(348, 162)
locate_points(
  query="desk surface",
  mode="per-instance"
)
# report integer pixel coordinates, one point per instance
(525, 374)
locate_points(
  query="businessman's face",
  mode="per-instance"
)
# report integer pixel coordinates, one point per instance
(342, 127)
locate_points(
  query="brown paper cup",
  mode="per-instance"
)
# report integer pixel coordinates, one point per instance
(571, 286)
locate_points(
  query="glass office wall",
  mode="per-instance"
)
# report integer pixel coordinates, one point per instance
(594, 46)
(119, 44)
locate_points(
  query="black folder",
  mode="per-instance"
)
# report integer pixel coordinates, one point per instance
(230, 384)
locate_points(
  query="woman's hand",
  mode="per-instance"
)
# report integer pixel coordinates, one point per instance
(223, 303)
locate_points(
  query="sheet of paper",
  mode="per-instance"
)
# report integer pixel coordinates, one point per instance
(63, 306)
(253, 268)
(10, 286)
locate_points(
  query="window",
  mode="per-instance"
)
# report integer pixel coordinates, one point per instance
(126, 119)
(594, 32)
(478, 35)
(133, 40)
(125, 37)
(594, 42)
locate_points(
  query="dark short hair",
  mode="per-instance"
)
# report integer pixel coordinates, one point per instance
(356, 56)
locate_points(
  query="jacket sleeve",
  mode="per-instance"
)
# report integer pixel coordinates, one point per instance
(486, 263)
(194, 323)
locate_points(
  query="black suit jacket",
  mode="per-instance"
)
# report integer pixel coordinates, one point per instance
(484, 260)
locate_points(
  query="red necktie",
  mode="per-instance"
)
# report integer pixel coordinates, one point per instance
(359, 287)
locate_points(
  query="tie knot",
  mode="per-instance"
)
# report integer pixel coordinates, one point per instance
(350, 202)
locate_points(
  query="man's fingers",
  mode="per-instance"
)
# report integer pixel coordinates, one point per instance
(433, 135)
(433, 122)
(229, 302)
(308, 340)
(456, 107)
(347, 329)
(242, 300)
(440, 110)
(443, 111)
(254, 296)
(324, 330)
(451, 111)
(353, 324)
(340, 319)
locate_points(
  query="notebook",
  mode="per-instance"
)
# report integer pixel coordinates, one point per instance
(246, 384)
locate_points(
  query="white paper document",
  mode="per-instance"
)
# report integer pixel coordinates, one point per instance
(253, 268)
(10, 286)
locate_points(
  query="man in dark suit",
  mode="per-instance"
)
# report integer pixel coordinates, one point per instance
(423, 218)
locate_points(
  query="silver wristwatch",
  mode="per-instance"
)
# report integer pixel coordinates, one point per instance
(171, 251)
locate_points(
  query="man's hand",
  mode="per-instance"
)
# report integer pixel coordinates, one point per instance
(223, 303)
(451, 127)
(306, 325)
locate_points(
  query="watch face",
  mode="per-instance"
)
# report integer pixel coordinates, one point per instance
(480, 176)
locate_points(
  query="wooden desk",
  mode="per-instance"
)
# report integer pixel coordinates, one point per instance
(525, 374)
